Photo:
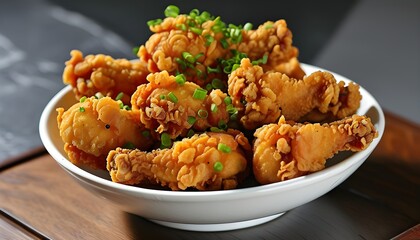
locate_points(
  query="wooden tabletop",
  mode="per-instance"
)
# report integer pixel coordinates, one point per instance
(379, 201)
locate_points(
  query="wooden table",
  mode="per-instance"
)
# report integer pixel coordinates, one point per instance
(381, 200)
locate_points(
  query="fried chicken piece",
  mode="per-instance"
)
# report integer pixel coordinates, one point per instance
(210, 161)
(273, 39)
(288, 150)
(164, 50)
(93, 127)
(167, 106)
(261, 97)
(102, 74)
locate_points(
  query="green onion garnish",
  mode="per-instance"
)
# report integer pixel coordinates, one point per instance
(188, 56)
(227, 100)
(154, 22)
(217, 83)
(223, 148)
(136, 50)
(172, 97)
(213, 107)
(200, 94)
(171, 11)
(181, 26)
(248, 26)
(145, 134)
(218, 166)
(81, 109)
(180, 79)
(99, 95)
(222, 125)
(190, 133)
(129, 145)
(191, 120)
(162, 97)
(202, 113)
(165, 140)
(215, 129)
(209, 87)
(83, 99)
(119, 96)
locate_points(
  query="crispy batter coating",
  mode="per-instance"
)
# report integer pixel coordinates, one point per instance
(262, 96)
(167, 106)
(194, 162)
(103, 74)
(90, 129)
(275, 40)
(163, 50)
(287, 150)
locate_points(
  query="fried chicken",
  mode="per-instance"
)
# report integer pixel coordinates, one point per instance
(210, 161)
(167, 106)
(166, 48)
(93, 127)
(102, 74)
(273, 39)
(288, 150)
(261, 97)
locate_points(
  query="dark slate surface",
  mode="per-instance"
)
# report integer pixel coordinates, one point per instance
(35, 40)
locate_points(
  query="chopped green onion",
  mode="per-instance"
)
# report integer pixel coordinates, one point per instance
(268, 26)
(202, 113)
(172, 97)
(200, 94)
(215, 129)
(209, 39)
(126, 107)
(181, 63)
(227, 100)
(189, 57)
(165, 140)
(209, 87)
(180, 79)
(213, 107)
(119, 96)
(190, 133)
(218, 166)
(145, 134)
(99, 95)
(234, 116)
(217, 83)
(224, 43)
(222, 125)
(235, 66)
(223, 148)
(231, 109)
(162, 97)
(213, 70)
(171, 11)
(182, 26)
(154, 22)
(196, 30)
(191, 120)
(121, 104)
(81, 109)
(129, 145)
(83, 99)
(248, 26)
(136, 50)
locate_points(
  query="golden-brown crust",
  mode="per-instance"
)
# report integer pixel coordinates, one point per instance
(96, 126)
(188, 164)
(287, 150)
(160, 113)
(262, 96)
(103, 74)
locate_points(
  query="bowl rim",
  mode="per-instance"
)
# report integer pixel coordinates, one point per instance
(205, 196)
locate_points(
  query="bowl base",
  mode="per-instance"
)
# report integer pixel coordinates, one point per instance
(217, 227)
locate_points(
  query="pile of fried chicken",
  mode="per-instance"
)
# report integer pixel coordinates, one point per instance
(207, 105)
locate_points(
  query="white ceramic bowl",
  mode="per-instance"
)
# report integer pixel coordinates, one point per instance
(214, 210)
